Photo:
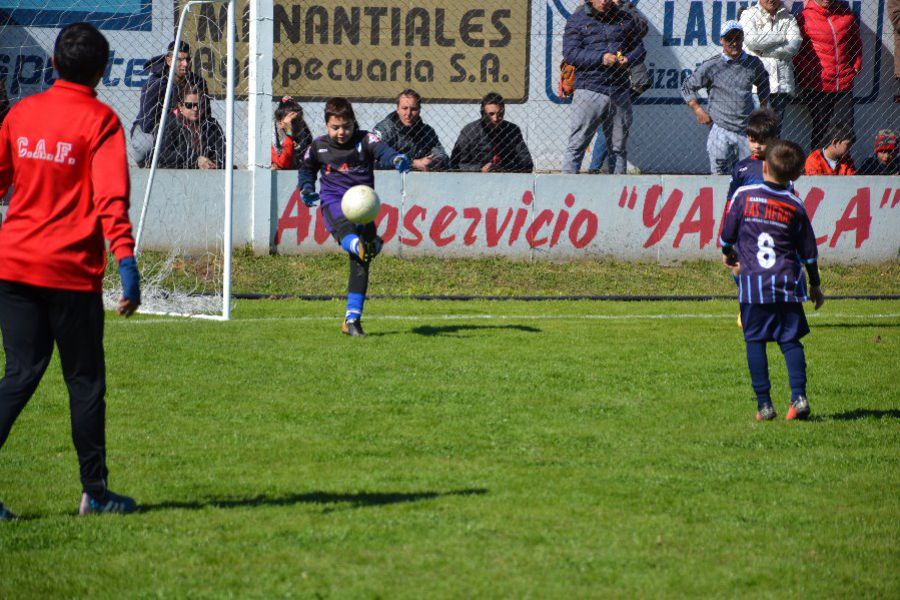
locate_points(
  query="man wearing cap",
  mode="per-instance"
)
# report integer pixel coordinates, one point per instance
(728, 79)
(885, 161)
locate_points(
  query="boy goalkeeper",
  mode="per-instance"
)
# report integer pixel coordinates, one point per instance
(346, 157)
(64, 153)
(768, 233)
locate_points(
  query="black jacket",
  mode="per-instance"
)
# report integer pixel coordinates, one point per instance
(415, 141)
(154, 91)
(183, 145)
(503, 145)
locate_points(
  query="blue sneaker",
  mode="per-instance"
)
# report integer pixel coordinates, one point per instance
(5, 515)
(114, 503)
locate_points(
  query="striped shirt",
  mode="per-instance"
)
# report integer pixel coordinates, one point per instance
(773, 237)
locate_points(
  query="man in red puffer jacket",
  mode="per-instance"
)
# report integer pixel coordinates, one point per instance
(828, 61)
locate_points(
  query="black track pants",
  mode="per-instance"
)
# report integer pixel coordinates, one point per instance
(32, 319)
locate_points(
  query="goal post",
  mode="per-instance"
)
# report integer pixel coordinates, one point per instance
(164, 290)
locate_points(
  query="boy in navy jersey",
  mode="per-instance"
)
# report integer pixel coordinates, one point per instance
(346, 157)
(762, 128)
(768, 235)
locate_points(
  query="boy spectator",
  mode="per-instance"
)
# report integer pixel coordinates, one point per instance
(406, 132)
(729, 79)
(491, 144)
(345, 157)
(602, 42)
(143, 130)
(762, 129)
(291, 137)
(834, 158)
(66, 152)
(768, 236)
(772, 34)
(885, 161)
(826, 66)
(191, 141)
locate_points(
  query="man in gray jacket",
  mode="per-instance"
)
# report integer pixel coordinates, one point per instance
(404, 131)
(729, 79)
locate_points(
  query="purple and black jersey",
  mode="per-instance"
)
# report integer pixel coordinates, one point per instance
(746, 172)
(773, 238)
(343, 165)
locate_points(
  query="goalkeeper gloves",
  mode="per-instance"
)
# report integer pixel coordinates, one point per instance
(402, 163)
(309, 196)
(131, 279)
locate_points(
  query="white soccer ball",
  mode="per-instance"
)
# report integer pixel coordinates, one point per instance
(360, 204)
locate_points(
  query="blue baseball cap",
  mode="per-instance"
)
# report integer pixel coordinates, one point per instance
(731, 26)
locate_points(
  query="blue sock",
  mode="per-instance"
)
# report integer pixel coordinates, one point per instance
(355, 306)
(350, 243)
(759, 372)
(795, 359)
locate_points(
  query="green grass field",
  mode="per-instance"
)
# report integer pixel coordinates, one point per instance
(468, 449)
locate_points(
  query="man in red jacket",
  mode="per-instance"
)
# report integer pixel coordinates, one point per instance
(828, 61)
(63, 152)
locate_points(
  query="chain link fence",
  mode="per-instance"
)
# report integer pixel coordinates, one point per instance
(635, 65)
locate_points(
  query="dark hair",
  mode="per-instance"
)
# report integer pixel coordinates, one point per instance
(339, 108)
(784, 160)
(840, 131)
(80, 53)
(411, 93)
(762, 125)
(183, 46)
(288, 105)
(492, 98)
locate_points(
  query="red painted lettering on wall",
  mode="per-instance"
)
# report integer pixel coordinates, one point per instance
(295, 216)
(860, 222)
(442, 220)
(493, 231)
(663, 219)
(700, 219)
(387, 222)
(474, 214)
(409, 223)
(544, 218)
(588, 220)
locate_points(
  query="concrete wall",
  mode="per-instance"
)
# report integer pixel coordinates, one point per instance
(540, 217)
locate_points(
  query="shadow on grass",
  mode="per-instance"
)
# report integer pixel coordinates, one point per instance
(351, 500)
(863, 413)
(431, 330)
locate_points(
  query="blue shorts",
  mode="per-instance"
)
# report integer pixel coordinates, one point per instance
(777, 322)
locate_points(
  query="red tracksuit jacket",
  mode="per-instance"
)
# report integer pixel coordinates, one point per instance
(63, 151)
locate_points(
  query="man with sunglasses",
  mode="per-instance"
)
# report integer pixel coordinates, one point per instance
(143, 130)
(192, 141)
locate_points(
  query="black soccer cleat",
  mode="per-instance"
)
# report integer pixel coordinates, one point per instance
(111, 504)
(799, 409)
(369, 249)
(766, 412)
(5, 514)
(353, 328)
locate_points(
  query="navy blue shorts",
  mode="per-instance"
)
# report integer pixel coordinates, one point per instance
(777, 322)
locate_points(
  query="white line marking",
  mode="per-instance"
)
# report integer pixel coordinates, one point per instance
(478, 317)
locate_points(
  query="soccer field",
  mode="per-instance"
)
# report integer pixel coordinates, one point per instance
(468, 449)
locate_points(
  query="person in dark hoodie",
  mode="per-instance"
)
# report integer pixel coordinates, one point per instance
(406, 132)
(491, 144)
(143, 130)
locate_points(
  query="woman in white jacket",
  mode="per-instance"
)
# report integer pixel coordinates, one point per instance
(772, 34)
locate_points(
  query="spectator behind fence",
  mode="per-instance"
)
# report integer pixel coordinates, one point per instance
(834, 158)
(826, 66)
(192, 141)
(885, 161)
(729, 79)
(143, 130)
(405, 131)
(291, 136)
(772, 34)
(640, 83)
(601, 41)
(4, 100)
(893, 10)
(491, 144)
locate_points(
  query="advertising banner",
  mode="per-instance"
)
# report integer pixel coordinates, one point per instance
(368, 51)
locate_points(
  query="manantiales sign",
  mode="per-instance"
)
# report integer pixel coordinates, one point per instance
(448, 50)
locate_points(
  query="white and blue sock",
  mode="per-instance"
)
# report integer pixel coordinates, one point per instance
(350, 243)
(355, 304)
